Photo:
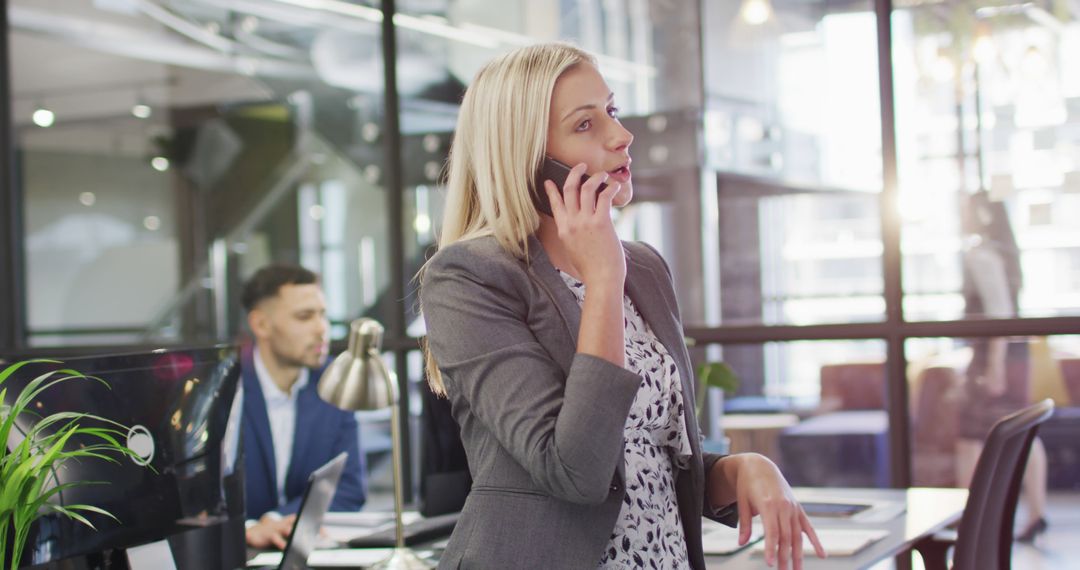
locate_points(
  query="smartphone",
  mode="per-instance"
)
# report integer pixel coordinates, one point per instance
(556, 172)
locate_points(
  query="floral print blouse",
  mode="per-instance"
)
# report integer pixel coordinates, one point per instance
(649, 531)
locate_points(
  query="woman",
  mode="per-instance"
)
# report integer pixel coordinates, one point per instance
(997, 378)
(561, 349)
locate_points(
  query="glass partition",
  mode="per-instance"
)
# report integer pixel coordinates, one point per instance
(792, 131)
(961, 387)
(647, 53)
(988, 111)
(816, 408)
(170, 149)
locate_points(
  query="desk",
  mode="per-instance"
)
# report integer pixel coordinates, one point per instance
(839, 449)
(928, 511)
(756, 432)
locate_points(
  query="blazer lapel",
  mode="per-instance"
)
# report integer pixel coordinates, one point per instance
(307, 419)
(259, 422)
(539, 265)
(643, 286)
(649, 297)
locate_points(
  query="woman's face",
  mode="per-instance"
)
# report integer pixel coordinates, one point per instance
(584, 127)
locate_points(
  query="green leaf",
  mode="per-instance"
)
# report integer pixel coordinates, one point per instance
(718, 375)
(48, 444)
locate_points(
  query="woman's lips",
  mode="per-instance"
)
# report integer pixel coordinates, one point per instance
(620, 175)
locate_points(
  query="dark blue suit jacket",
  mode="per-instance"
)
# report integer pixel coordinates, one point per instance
(322, 432)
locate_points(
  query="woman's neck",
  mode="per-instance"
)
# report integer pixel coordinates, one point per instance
(548, 234)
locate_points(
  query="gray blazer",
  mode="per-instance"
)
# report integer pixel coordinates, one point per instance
(543, 425)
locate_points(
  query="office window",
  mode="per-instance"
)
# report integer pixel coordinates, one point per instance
(166, 151)
(792, 130)
(951, 382)
(647, 54)
(817, 408)
(987, 103)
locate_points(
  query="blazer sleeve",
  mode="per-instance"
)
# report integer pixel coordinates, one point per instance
(566, 430)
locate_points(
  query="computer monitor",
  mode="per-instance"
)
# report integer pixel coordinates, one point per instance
(179, 407)
(444, 469)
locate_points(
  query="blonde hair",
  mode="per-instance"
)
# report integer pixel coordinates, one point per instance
(498, 146)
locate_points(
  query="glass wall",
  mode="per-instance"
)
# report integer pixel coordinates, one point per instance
(816, 408)
(966, 148)
(988, 131)
(645, 51)
(166, 151)
(792, 128)
(959, 387)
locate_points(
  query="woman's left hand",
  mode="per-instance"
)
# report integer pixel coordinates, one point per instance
(760, 489)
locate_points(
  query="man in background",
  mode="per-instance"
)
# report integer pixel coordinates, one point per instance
(288, 430)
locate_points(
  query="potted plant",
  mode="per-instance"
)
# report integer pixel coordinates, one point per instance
(715, 375)
(26, 469)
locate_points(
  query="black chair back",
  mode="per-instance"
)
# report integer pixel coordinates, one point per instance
(985, 537)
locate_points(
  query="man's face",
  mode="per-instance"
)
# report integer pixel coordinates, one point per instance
(292, 326)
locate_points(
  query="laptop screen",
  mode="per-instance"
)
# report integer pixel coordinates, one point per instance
(317, 496)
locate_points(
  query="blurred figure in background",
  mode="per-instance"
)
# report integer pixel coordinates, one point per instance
(997, 380)
(288, 430)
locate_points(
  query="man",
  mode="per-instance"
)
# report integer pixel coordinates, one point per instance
(288, 430)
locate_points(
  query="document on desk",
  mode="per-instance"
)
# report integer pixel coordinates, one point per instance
(333, 558)
(822, 503)
(838, 541)
(717, 538)
(343, 527)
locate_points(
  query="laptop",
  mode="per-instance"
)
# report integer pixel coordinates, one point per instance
(309, 518)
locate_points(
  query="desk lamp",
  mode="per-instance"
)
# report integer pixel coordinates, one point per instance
(358, 380)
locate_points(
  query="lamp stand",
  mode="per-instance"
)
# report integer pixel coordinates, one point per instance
(403, 558)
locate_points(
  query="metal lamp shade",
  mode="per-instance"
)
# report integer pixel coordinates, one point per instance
(358, 379)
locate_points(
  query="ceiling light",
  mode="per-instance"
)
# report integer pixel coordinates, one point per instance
(43, 117)
(983, 50)
(141, 110)
(942, 67)
(87, 199)
(422, 224)
(1034, 62)
(756, 12)
(249, 24)
(159, 163)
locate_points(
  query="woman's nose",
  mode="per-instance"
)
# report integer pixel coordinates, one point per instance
(621, 138)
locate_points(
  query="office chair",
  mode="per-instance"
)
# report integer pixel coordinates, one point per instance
(984, 539)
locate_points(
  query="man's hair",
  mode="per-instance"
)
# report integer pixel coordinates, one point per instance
(270, 279)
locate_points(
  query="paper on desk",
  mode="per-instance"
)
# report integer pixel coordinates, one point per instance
(722, 539)
(368, 518)
(337, 558)
(838, 541)
(340, 528)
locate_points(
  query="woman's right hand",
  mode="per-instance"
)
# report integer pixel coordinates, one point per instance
(583, 218)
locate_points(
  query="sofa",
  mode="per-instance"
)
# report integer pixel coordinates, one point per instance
(840, 444)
